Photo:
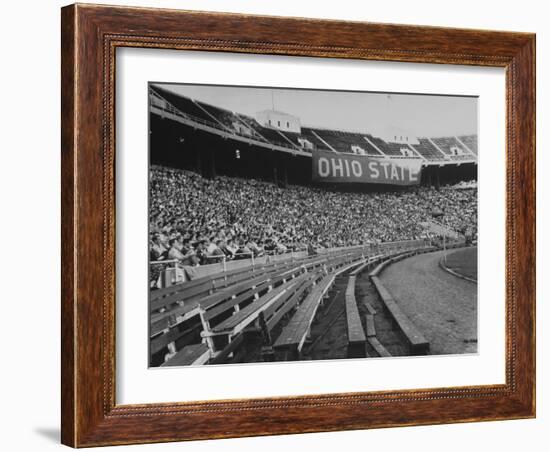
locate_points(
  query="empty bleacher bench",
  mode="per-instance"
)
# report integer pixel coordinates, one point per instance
(190, 355)
(418, 345)
(356, 334)
(291, 340)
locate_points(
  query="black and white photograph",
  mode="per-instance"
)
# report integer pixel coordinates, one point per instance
(259, 226)
(301, 224)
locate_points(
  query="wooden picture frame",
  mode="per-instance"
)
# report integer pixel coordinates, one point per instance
(90, 36)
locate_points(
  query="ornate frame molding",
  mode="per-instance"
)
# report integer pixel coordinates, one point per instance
(90, 37)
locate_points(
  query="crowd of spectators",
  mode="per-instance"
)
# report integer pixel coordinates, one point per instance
(200, 221)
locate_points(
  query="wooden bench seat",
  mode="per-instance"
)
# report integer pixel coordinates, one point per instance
(235, 300)
(174, 334)
(369, 322)
(378, 347)
(356, 334)
(190, 355)
(158, 321)
(418, 345)
(273, 314)
(369, 307)
(164, 327)
(164, 320)
(212, 312)
(199, 287)
(273, 289)
(276, 312)
(220, 357)
(290, 342)
(361, 268)
(163, 298)
(390, 258)
(160, 341)
(187, 291)
(384, 262)
(238, 321)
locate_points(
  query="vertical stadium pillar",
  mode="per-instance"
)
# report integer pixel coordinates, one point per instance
(198, 161)
(274, 164)
(212, 163)
(284, 180)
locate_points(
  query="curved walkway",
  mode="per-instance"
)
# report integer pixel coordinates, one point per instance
(462, 263)
(441, 305)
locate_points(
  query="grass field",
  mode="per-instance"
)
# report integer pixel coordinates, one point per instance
(463, 262)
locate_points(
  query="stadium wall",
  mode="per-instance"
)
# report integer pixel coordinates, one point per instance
(181, 146)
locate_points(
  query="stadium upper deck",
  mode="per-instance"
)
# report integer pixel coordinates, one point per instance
(438, 151)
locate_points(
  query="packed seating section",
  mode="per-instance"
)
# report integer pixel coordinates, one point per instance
(199, 221)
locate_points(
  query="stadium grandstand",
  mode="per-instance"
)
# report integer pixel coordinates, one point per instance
(245, 245)
(190, 134)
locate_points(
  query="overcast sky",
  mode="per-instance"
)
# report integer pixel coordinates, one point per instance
(420, 115)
